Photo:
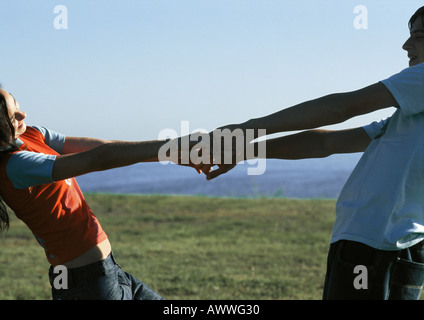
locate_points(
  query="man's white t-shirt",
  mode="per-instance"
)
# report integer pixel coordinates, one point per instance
(382, 203)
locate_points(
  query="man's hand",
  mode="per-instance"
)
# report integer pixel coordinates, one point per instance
(227, 149)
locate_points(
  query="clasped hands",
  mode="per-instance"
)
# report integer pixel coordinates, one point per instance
(214, 153)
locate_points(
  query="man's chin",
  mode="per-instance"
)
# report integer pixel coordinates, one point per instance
(414, 62)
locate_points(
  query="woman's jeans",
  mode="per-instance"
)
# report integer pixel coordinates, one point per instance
(357, 271)
(102, 280)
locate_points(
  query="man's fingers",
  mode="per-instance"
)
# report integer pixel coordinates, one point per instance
(213, 174)
(217, 172)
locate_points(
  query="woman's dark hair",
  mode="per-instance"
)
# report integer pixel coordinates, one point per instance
(418, 13)
(7, 145)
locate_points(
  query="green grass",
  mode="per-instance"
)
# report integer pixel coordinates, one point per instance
(195, 247)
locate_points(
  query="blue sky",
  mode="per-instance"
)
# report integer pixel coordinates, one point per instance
(129, 69)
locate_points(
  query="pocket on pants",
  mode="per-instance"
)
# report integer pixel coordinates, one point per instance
(407, 279)
(344, 276)
(103, 286)
(125, 285)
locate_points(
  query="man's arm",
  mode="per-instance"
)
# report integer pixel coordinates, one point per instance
(303, 145)
(316, 144)
(327, 110)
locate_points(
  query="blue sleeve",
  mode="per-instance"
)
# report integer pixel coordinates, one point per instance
(407, 87)
(376, 128)
(53, 139)
(27, 169)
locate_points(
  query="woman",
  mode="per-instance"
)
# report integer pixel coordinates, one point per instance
(37, 170)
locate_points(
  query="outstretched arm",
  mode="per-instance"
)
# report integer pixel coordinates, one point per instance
(103, 157)
(81, 144)
(303, 145)
(327, 110)
(91, 155)
(317, 144)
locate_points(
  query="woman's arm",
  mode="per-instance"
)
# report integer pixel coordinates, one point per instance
(99, 155)
(103, 157)
(77, 144)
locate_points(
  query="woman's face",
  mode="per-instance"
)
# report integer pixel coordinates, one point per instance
(16, 116)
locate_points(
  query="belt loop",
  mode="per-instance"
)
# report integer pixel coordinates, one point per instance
(112, 256)
(342, 245)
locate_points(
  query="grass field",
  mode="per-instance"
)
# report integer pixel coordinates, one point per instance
(195, 247)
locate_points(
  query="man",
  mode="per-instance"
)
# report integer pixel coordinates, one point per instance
(380, 211)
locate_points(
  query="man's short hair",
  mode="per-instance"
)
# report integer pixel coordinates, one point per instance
(416, 15)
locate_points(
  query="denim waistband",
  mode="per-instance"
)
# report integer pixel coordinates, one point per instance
(92, 270)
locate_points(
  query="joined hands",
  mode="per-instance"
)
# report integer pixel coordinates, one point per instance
(216, 152)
